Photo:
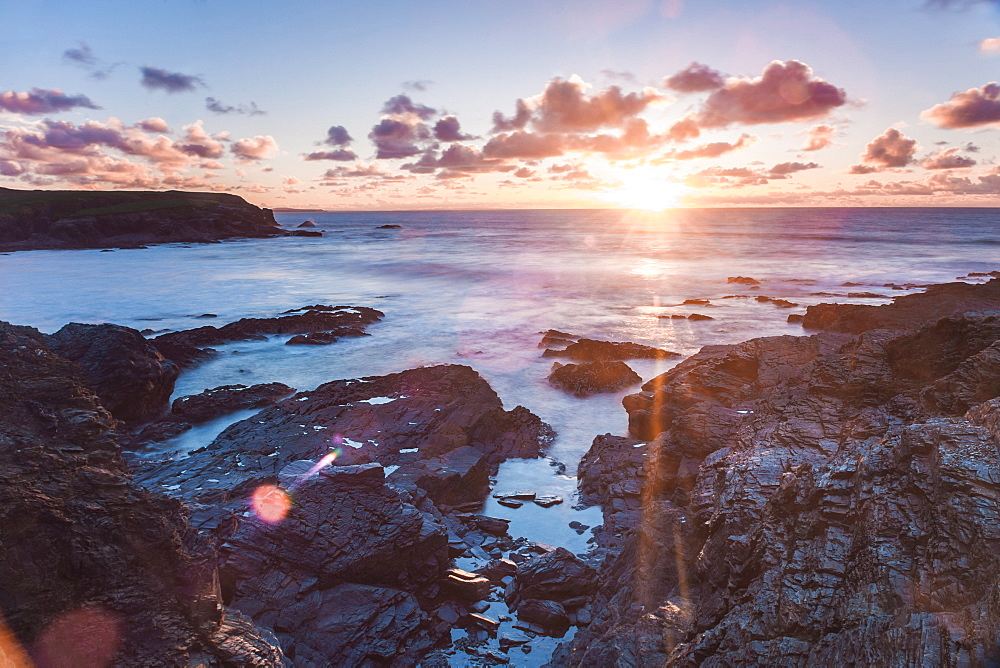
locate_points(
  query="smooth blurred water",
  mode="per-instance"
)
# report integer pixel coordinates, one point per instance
(479, 287)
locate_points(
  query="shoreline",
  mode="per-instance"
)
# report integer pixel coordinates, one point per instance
(619, 505)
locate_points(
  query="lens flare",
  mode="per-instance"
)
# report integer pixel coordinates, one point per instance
(270, 503)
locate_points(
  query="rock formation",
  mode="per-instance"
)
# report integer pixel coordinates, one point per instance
(96, 569)
(36, 219)
(831, 499)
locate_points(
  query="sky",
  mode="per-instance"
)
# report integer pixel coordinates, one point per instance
(394, 104)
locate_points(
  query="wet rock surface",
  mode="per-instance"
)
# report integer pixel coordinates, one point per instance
(85, 553)
(342, 560)
(332, 322)
(592, 350)
(820, 500)
(586, 379)
(188, 411)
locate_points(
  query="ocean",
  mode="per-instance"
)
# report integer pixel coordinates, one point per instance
(480, 288)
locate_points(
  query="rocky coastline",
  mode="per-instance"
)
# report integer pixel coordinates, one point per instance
(793, 500)
(72, 219)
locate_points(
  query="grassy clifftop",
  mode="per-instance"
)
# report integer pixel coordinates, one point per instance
(37, 219)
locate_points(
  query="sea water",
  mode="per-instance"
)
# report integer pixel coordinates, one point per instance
(480, 288)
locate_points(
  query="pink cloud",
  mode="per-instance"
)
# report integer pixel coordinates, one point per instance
(153, 124)
(199, 143)
(785, 91)
(257, 148)
(695, 78)
(947, 158)
(819, 137)
(891, 149)
(39, 101)
(710, 150)
(521, 144)
(785, 168)
(972, 108)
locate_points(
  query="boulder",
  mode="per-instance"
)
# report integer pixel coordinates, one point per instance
(130, 376)
(592, 350)
(554, 576)
(550, 615)
(589, 378)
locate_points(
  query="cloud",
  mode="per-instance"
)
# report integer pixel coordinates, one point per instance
(990, 45)
(402, 104)
(218, 107)
(199, 143)
(254, 149)
(947, 158)
(449, 129)
(397, 139)
(11, 168)
(819, 137)
(785, 91)
(155, 78)
(783, 169)
(565, 106)
(39, 101)
(521, 144)
(153, 124)
(419, 85)
(710, 150)
(695, 78)
(342, 154)
(619, 75)
(84, 57)
(891, 149)
(968, 109)
(338, 135)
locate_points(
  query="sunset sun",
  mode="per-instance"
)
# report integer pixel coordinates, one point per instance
(647, 194)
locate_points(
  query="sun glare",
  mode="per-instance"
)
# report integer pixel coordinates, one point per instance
(647, 194)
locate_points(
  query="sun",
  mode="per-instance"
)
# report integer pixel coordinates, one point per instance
(646, 194)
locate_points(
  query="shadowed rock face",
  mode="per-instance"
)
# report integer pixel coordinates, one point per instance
(31, 220)
(822, 500)
(130, 376)
(95, 568)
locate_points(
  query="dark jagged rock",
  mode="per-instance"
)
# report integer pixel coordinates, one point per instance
(821, 500)
(555, 576)
(780, 303)
(550, 615)
(305, 233)
(906, 311)
(86, 552)
(554, 337)
(592, 350)
(390, 226)
(133, 380)
(416, 414)
(37, 219)
(307, 223)
(699, 316)
(340, 574)
(453, 478)
(209, 405)
(589, 378)
(219, 401)
(339, 320)
(742, 280)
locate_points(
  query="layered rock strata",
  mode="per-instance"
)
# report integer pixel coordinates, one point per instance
(831, 499)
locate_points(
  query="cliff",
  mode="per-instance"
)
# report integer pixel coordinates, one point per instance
(70, 219)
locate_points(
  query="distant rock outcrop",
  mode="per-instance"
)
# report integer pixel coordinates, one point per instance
(52, 219)
(823, 500)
